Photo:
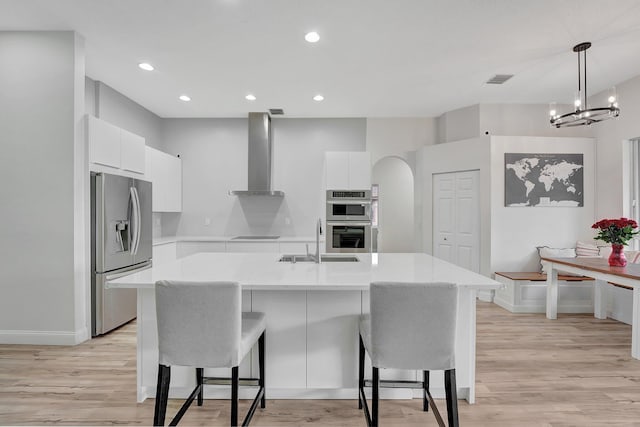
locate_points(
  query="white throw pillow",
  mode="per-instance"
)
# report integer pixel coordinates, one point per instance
(586, 249)
(545, 251)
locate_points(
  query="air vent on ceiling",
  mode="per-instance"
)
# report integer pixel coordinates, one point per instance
(276, 111)
(498, 79)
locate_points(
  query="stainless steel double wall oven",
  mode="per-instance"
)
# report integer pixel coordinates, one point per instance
(348, 221)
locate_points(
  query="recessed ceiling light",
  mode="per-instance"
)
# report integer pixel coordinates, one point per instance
(250, 97)
(318, 98)
(312, 37)
(146, 66)
(185, 98)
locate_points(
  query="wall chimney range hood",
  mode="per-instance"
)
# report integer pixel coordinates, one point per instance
(260, 155)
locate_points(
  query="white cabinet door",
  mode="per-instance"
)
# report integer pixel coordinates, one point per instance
(332, 338)
(173, 198)
(164, 253)
(188, 248)
(286, 337)
(253, 247)
(104, 142)
(132, 152)
(359, 171)
(337, 170)
(347, 170)
(166, 176)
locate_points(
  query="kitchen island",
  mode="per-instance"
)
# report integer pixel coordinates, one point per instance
(312, 320)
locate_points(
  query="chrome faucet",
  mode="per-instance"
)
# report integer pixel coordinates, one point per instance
(315, 257)
(318, 234)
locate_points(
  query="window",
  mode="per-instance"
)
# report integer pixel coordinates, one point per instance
(633, 199)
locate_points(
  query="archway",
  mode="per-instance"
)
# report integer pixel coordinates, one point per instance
(396, 205)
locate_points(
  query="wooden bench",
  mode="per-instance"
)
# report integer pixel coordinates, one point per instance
(526, 292)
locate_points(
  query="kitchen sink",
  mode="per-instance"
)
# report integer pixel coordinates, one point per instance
(323, 258)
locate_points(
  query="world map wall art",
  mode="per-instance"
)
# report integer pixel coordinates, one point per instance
(544, 179)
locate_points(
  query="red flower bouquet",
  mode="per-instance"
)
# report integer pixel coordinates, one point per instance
(616, 231)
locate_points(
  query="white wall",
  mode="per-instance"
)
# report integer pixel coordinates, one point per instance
(516, 231)
(509, 236)
(117, 109)
(395, 215)
(471, 154)
(502, 119)
(399, 136)
(610, 135)
(43, 185)
(460, 124)
(524, 120)
(214, 156)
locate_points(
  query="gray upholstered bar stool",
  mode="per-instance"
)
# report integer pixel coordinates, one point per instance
(202, 325)
(411, 326)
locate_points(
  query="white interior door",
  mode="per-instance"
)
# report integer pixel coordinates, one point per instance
(456, 218)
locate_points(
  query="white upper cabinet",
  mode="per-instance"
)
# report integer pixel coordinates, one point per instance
(104, 143)
(347, 170)
(359, 170)
(166, 175)
(132, 152)
(337, 170)
(114, 150)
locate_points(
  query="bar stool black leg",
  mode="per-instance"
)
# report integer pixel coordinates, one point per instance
(360, 373)
(425, 392)
(261, 382)
(452, 397)
(234, 396)
(375, 398)
(199, 381)
(162, 393)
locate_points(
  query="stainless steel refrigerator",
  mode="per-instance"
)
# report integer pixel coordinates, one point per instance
(121, 242)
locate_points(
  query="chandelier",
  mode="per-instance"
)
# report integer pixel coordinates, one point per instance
(583, 115)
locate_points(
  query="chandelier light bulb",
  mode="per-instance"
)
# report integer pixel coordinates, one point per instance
(612, 99)
(250, 97)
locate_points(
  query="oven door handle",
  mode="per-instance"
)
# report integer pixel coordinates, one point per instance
(347, 223)
(348, 202)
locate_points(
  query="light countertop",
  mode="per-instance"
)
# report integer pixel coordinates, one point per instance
(262, 271)
(173, 239)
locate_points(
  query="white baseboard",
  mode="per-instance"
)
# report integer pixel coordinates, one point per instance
(210, 392)
(44, 337)
(486, 296)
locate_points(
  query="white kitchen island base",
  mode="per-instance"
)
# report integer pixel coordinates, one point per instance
(312, 322)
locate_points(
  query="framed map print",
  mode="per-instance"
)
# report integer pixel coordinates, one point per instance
(543, 179)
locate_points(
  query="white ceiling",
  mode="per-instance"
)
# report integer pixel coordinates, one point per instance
(376, 58)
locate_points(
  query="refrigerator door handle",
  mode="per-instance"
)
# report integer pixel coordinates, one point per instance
(138, 212)
(135, 220)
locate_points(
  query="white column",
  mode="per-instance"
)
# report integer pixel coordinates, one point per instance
(552, 292)
(600, 300)
(635, 324)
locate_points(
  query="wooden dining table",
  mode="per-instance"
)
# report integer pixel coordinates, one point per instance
(604, 274)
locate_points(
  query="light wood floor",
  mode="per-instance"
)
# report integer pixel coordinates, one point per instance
(575, 371)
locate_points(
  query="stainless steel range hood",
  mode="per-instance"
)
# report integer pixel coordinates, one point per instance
(260, 154)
